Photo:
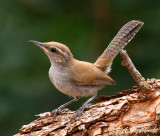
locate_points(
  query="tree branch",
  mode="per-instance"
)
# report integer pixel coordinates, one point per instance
(133, 111)
(132, 69)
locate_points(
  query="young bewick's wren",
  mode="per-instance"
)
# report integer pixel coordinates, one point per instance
(78, 78)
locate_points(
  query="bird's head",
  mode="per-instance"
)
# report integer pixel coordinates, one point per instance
(57, 53)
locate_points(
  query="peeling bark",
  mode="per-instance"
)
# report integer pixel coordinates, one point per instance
(131, 112)
(127, 113)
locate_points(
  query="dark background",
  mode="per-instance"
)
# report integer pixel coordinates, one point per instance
(86, 27)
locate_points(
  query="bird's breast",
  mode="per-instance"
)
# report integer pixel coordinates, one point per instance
(62, 81)
(59, 78)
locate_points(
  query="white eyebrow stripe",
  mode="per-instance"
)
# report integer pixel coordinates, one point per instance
(64, 53)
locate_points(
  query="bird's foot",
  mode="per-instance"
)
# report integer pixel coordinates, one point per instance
(80, 110)
(57, 111)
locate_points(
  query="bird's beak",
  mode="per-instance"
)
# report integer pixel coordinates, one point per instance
(39, 44)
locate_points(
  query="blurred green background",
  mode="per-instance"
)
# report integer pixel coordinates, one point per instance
(86, 27)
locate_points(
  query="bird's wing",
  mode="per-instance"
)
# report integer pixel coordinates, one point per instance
(87, 74)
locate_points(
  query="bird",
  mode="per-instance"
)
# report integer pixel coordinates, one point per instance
(83, 79)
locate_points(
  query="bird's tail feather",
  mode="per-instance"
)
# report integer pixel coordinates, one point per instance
(123, 37)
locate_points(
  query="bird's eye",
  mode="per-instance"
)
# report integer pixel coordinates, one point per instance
(53, 49)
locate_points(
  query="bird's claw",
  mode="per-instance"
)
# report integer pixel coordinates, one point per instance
(80, 110)
(57, 111)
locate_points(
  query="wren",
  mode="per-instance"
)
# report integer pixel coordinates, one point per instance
(81, 79)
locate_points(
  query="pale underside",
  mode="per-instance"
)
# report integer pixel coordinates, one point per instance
(82, 79)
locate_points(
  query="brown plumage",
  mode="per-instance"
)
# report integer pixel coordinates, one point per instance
(78, 78)
(125, 35)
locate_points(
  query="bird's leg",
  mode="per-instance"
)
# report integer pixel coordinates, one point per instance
(60, 108)
(85, 105)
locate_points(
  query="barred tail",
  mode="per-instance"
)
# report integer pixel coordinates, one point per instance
(123, 37)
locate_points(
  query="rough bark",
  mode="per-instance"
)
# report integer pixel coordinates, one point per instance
(129, 112)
